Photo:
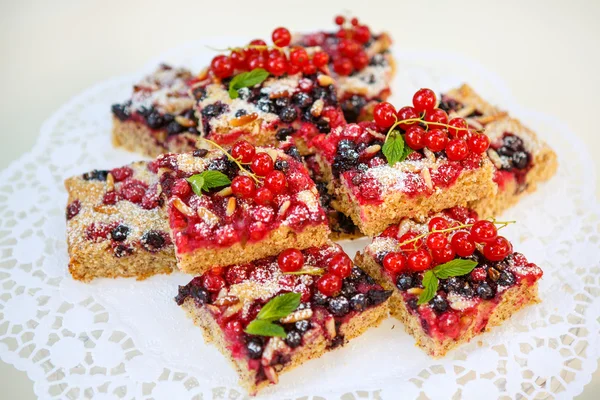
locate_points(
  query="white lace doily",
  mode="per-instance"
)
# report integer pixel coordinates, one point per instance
(128, 339)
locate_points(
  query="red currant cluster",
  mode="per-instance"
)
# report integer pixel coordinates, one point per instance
(277, 59)
(262, 165)
(426, 126)
(442, 243)
(351, 55)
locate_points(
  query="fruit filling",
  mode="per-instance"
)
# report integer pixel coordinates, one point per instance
(271, 309)
(217, 199)
(162, 101)
(451, 271)
(414, 150)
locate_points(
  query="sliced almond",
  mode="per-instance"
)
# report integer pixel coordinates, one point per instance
(232, 309)
(183, 121)
(404, 226)
(415, 290)
(274, 346)
(427, 178)
(272, 153)
(182, 207)
(429, 155)
(207, 216)
(284, 207)
(225, 192)
(495, 158)
(231, 205)
(226, 301)
(466, 110)
(105, 209)
(203, 74)
(271, 375)
(110, 182)
(474, 123)
(213, 309)
(296, 316)
(325, 80)
(243, 120)
(317, 108)
(330, 327)
(373, 149)
(491, 118)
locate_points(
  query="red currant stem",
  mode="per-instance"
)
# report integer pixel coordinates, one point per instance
(420, 120)
(307, 271)
(257, 47)
(239, 164)
(502, 224)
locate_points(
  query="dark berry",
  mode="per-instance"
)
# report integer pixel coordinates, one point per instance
(452, 284)
(282, 102)
(95, 175)
(173, 128)
(352, 107)
(122, 251)
(467, 290)
(120, 111)
(404, 282)
(200, 152)
(283, 133)
(359, 302)
(439, 304)
(199, 295)
(182, 293)
(288, 114)
(323, 126)
(520, 160)
(120, 233)
(240, 113)
(293, 339)
(282, 165)
(255, 348)
(337, 342)
(155, 120)
(506, 278)
(348, 289)
(302, 326)
(153, 241)
(302, 99)
(73, 209)
(293, 152)
(357, 274)
(213, 110)
(225, 166)
(485, 291)
(319, 298)
(377, 297)
(265, 105)
(339, 306)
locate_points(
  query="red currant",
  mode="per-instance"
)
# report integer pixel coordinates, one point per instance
(390, 231)
(277, 66)
(348, 47)
(256, 62)
(181, 188)
(243, 187)
(424, 100)
(120, 174)
(412, 245)
(415, 137)
(339, 20)
(263, 196)
(479, 143)
(243, 151)
(320, 58)
(281, 37)
(483, 231)
(457, 150)
(394, 262)
(213, 282)
(497, 249)
(258, 42)
(290, 260)
(309, 68)
(262, 164)
(462, 244)
(419, 260)
(275, 180)
(239, 59)
(457, 125)
(437, 224)
(354, 21)
(360, 60)
(329, 284)
(234, 326)
(222, 66)
(449, 324)
(407, 113)
(298, 56)
(443, 255)
(437, 117)
(437, 241)
(478, 274)
(342, 66)
(361, 34)
(293, 69)
(436, 140)
(384, 114)
(340, 265)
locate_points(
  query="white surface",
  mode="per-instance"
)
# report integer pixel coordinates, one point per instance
(547, 53)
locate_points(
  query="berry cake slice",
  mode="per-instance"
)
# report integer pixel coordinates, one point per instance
(159, 117)
(226, 209)
(361, 62)
(407, 163)
(115, 225)
(453, 277)
(276, 313)
(521, 159)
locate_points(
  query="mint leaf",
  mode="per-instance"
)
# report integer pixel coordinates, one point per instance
(454, 268)
(246, 79)
(264, 328)
(279, 307)
(430, 287)
(394, 148)
(207, 180)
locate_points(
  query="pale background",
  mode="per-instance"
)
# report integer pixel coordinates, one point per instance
(548, 52)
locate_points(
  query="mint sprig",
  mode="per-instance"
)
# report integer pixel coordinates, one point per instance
(246, 79)
(394, 148)
(447, 270)
(277, 308)
(207, 180)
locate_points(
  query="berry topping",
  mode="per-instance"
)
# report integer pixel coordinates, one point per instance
(329, 284)
(290, 260)
(262, 164)
(483, 231)
(419, 260)
(243, 187)
(254, 348)
(275, 180)
(213, 283)
(424, 100)
(394, 262)
(341, 265)
(73, 209)
(281, 37)
(462, 244)
(457, 149)
(243, 151)
(384, 114)
(222, 66)
(119, 234)
(154, 241)
(497, 249)
(338, 306)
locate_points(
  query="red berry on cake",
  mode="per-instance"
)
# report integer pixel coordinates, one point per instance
(424, 100)
(497, 249)
(483, 231)
(339, 20)
(341, 265)
(457, 150)
(437, 224)
(290, 260)
(262, 164)
(415, 137)
(419, 260)
(320, 58)
(462, 244)
(437, 241)
(384, 114)
(222, 67)
(436, 140)
(281, 37)
(342, 66)
(243, 151)
(394, 262)
(299, 57)
(479, 143)
(457, 126)
(213, 283)
(243, 187)
(405, 113)
(276, 181)
(263, 196)
(329, 284)
(438, 117)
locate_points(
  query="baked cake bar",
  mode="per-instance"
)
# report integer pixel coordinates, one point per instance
(522, 160)
(269, 316)
(452, 277)
(159, 117)
(115, 225)
(259, 211)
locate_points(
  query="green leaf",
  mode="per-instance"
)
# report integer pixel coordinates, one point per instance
(279, 307)
(246, 79)
(207, 180)
(265, 328)
(454, 268)
(394, 148)
(430, 287)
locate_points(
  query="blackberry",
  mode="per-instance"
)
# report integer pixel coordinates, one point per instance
(200, 152)
(199, 295)
(412, 304)
(240, 113)
(213, 110)
(292, 151)
(357, 274)
(359, 302)
(377, 60)
(339, 306)
(265, 105)
(323, 126)
(119, 233)
(302, 326)
(348, 289)
(452, 284)
(282, 165)
(520, 160)
(153, 241)
(319, 92)
(377, 297)
(122, 251)
(302, 99)
(245, 93)
(467, 290)
(293, 339)
(173, 128)
(485, 291)
(404, 282)
(282, 102)
(288, 114)
(95, 175)
(352, 106)
(319, 298)
(225, 166)
(308, 117)
(182, 293)
(506, 278)
(512, 142)
(362, 167)
(283, 133)
(337, 342)
(449, 105)
(155, 120)
(439, 304)
(120, 111)
(345, 145)
(255, 348)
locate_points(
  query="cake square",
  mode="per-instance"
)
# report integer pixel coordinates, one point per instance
(448, 284)
(272, 315)
(260, 204)
(376, 194)
(159, 117)
(522, 160)
(115, 225)
(361, 64)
